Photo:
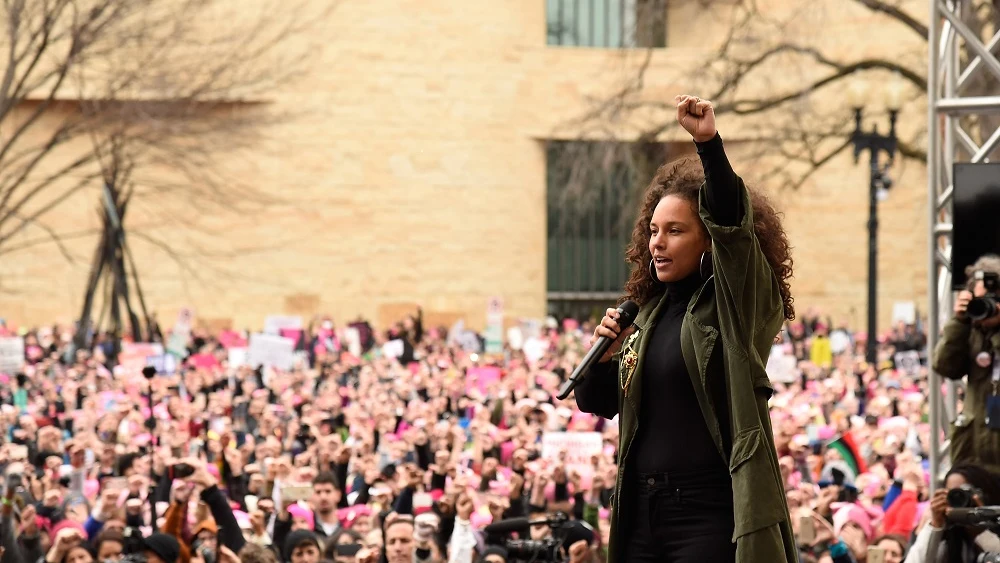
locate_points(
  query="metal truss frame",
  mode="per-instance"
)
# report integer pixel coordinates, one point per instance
(947, 142)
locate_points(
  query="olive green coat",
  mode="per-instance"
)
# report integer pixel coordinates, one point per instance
(954, 358)
(739, 309)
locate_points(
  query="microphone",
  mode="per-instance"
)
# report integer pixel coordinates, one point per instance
(510, 525)
(519, 523)
(974, 516)
(626, 316)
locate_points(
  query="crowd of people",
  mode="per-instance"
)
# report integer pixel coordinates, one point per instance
(369, 458)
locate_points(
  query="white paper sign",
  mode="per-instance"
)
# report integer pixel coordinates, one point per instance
(535, 349)
(164, 363)
(515, 338)
(271, 351)
(782, 367)
(905, 312)
(184, 319)
(580, 447)
(840, 341)
(352, 339)
(531, 328)
(11, 354)
(494, 326)
(908, 362)
(238, 357)
(274, 323)
(393, 348)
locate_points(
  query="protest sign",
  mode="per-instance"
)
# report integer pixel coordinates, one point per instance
(271, 351)
(238, 357)
(393, 348)
(163, 363)
(535, 348)
(11, 354)
(908, 362)
(515, 338)
(352, 339)
(136, 355)
(481, 378)
(179, 336)
(531, 328)
(580, 447)
(274, 324)
(904, 312)
(494, 326)
(232, 339)
(782, 367)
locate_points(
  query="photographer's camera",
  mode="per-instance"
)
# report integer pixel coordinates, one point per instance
(982, 308)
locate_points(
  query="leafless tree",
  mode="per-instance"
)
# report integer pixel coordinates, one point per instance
(164, 85)
(133, 102)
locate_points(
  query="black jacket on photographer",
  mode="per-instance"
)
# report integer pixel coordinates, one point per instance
(961, 352)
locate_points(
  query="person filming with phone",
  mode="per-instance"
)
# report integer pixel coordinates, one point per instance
(970, 346)
(698, 475)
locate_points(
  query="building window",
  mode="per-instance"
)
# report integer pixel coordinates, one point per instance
(593, 192)
(612, 24)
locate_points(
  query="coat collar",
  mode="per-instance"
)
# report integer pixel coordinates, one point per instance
(648, 312)
(645, 316)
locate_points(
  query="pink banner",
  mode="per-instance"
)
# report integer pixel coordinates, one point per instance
(291, 334)
(481, 378)
(204, 361)
(134, 356)
(232, 339)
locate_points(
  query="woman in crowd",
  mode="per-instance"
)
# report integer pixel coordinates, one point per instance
(939, 541)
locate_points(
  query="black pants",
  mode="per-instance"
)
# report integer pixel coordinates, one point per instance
(680, 518)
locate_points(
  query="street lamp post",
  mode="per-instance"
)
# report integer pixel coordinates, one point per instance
(876, 144)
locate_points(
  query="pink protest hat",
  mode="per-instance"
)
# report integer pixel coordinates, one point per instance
(297, 511)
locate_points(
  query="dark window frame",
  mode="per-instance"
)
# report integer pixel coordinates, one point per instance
(610, 24)
(590, 214)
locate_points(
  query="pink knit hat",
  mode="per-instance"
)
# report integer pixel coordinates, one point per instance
(297, 511)
(67, 523)
(857, 514)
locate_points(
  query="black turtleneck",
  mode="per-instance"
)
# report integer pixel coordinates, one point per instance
(672, 434)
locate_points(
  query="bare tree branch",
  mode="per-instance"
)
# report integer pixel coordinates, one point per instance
(53, 236)
(761, 43)
(897, 14)
(50, 238)
(145, 82)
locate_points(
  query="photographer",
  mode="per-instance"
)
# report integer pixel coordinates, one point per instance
(940, 541)
(559, 540)
(970, 345)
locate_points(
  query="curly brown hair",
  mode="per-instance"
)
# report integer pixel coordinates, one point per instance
(684, 178)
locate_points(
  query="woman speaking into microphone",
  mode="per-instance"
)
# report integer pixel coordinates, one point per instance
(698, 478)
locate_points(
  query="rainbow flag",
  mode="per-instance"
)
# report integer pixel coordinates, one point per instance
(849, 451)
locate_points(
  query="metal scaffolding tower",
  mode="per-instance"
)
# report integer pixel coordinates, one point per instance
(951, 110)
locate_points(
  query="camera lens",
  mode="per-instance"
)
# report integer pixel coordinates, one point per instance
(960, 497)
(982, 307)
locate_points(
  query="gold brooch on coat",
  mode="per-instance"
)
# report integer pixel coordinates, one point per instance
(629, 361)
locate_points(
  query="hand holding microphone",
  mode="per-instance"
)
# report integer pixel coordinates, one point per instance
(606, 342)
(610, 329)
